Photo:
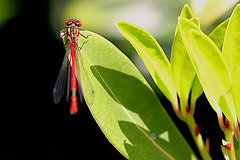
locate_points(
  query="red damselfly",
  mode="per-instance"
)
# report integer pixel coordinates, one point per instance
(69, 66)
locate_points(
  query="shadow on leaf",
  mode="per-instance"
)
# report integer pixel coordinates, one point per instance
(150, 132)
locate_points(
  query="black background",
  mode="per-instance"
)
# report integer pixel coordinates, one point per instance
(31, 125)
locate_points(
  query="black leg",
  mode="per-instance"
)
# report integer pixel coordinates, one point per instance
(80, 29)
(62, 34)
(85, 36)
(64, 27)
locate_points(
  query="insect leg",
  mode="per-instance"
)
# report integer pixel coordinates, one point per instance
(85, 36)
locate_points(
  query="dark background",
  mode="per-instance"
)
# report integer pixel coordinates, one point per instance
(31, 125)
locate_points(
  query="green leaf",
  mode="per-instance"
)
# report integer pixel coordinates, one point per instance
(182, 71)
(236, 92)
(208, 64)
(218, 34)
(231, 45)
(124, 105)
(153, 57)
(213, 72)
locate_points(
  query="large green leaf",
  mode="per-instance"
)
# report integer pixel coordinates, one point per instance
(153, 57)
(123, 104)
(231, 47)
(209, 66)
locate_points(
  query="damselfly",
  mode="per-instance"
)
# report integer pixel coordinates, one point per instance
(69, 67)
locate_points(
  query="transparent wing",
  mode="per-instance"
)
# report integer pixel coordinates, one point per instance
(68, 82)
(60, 84)
(82, 74)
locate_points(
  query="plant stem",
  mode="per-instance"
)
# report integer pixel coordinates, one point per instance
(197, 138)
(230, 138)
(194, 130)
(238, 149)
(177, 110)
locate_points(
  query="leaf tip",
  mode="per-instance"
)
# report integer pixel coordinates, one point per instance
(186, 8)
(186, 12)
(238, 6)
(117, 23)
(121, 25)
(186, 5)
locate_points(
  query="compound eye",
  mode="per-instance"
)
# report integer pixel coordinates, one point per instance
(79, 23)
(68, 22)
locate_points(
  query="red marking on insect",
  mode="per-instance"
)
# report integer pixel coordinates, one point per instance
(72, 33)
(196, 130)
